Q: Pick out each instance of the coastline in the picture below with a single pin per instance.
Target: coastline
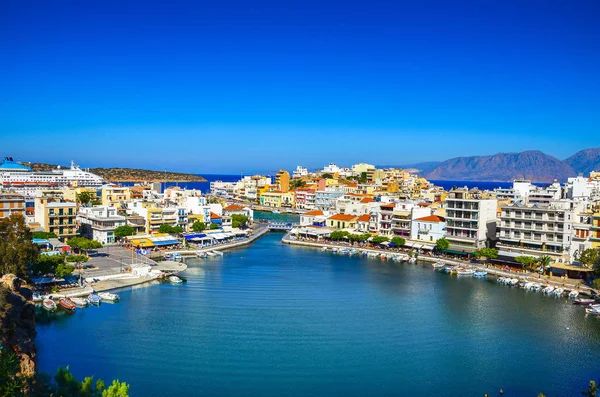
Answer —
(546, 280)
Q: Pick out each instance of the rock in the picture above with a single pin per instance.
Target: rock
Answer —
(12, 282)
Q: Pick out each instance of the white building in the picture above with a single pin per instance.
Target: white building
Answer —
(299, 172)
(325, 199)
(470, 220)
(428, 228)
(331, 169)
(99, 223)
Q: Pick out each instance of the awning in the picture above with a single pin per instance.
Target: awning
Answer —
(165, 242)
(459, 252)
(557, 265)
(143, 242)
(509, 254)
(40, 241)
(194, 235)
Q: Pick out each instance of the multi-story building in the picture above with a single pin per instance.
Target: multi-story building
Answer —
(470, 220)
(403, 214)
(11, 204)
(342, 221)
(300, 171)
(305, 198)
(277, 199)
(56, 216)
(325, 199)
(99, 223)
(115, 196)
(428, 228)
(536, 229)
(282, 180)
(595, 229)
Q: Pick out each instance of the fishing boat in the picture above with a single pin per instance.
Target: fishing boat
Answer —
(107, 296)
(67, 304)
(353, 252)
(438, 265)
(37, 297)
(383, 257)
(548, 289)
(513, 282)
(480, 274)
(276, 212)
(593, 309)
(168, 257)
(558, 292)
(324, 249)
(49, 304)
(465, 272)
(583, 301)
(412, 260)
(175, 280)
(201, 255)
(573, 294)
(80, 302)
(94, 299)
(334, 250)
(448, 269)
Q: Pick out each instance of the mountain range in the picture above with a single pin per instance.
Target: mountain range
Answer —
(532, 164)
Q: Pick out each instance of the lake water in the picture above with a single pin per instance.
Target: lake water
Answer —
(278, 320)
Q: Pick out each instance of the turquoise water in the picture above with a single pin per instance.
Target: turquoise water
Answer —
(275, 320)
(269, 216)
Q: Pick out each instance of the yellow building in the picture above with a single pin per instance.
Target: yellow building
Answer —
(70, 193)
(271, 199)
(56, 216)
(159, 216)
(596, 230)
(115, 196)
(342, 221)
(11, 204)
(282, 180)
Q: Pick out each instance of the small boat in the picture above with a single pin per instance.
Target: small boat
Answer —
(354, 252)
(334, 250)
(480, 274)
(548, 289)
(276, 212)
(107, 296)
(80, 302)
(383, 257)
(448, 269)
(66, 304)
(94, 299)
(168, 257)
(438, 265)
(37, 297)
(593, 309)
(175, 280)
(573, 294)
(558, 292)
(583, 301)
(412, 260)
(324, 249)
(465, 272)
(49, 305)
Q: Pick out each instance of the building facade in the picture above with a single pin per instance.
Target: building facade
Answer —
(99, 223)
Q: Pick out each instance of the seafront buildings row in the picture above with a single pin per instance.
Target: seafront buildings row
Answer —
(559, 220)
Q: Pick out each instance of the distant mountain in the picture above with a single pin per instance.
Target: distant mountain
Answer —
(533, 165)
(585, 160)
(422, 167)
(128, 174)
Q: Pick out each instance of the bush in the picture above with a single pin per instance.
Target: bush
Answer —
(398, 241)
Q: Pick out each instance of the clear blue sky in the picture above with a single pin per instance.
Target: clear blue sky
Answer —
(225, 86)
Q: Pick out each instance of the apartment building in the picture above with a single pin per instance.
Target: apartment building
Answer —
(99, 223)
(305, 198)
(11, 204)
(428, 228)
(536, 229)
(325, 199)
(282, 180)
(115, 196)
(470, 220)
(56, 216)
(595, 230)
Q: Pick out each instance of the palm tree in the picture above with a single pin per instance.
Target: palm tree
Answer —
(544, 261)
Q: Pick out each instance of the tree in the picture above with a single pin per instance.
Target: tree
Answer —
(592, 390)
(86, 198)
(214, 226)
(544, 261)
(198, 226)
(43, 235)
(124, 231)
(16, 249)
(63, 270)
(327, 176)
(589, 257)
(84, 244)
(166, 228)
(489, 253)
(297, 183)
(66, 385)
(11, 384)
(238, 220)
(442, 244)
(338, 235)
(363, 177)
(379, 239)
(46, 264)
(116, 389)
(596, 284)
(77, 259)
(526, 261)
(398, 241)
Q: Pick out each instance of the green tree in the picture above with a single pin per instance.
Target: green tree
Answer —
(116, 389)
(238, 220)
(198, 226)
(327, 176)
(363, 177)
(84, 244)
(43, 235)
(166, 228)
(489, 253)
(338, 235)
(379, 239)
(526, 261)
(87, 198)
(442, 244)
(214, 226)
(398, 241)
(596, 284)
(589, 257)
(124, 231)
(16, 249)
(297, 183)
(592, 390)
(63, 270)
(66, 384)
(11, 384)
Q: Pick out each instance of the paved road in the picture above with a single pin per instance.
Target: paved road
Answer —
(112, 259)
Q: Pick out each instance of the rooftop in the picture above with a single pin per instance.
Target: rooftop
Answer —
(431, 218)
(342, 217)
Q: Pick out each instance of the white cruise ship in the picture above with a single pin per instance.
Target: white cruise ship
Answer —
(23, 180)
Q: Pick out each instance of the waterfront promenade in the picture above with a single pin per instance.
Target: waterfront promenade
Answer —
(490, 269)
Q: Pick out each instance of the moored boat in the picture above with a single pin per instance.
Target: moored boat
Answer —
(175, 280)
(465, 272)
(573, 294)
(80, 302)
(558, 292)
(438, 265)
(37, 297)
(548, 289)
(66, 304)
(94, 299)
(480, 274)
(49, 305)
(583, 301)
(107, 296)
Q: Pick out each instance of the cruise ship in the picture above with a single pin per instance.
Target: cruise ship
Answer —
(23, 180)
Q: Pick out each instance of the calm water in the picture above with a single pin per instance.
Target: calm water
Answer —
(275, 320)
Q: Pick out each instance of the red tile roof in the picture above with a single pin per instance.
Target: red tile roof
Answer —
(364, 218)
(214, 216)
(342, 217)
(387, 206)
(234, 207)
(314, 213)
(432, 218)
(367, 200)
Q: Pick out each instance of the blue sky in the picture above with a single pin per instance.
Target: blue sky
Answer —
(225, 86)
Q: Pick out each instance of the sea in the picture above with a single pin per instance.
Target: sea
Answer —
(447, 185)
(278, 320)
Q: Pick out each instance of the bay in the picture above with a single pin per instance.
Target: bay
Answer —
(272, 320)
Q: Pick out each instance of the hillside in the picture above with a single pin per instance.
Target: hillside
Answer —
(533, 165)
(585, 160)
(130, 174)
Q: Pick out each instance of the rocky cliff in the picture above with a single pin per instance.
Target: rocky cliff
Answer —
(533, 165)
(585, 160)
(17, 323)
